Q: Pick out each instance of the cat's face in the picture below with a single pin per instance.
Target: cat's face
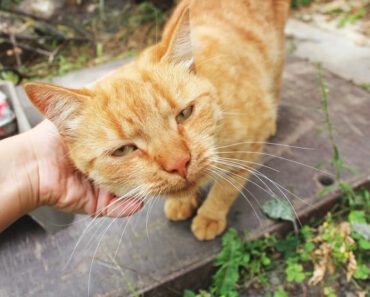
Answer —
(151, 126)
(155, 130)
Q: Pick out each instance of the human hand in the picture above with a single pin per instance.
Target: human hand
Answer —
(35, 171)
(62, 186)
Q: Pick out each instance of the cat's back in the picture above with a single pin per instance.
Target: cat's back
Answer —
(238, 39)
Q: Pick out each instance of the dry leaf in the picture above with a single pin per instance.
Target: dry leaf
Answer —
(352, 266)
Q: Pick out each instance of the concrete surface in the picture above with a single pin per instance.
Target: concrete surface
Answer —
(162, 258)
(337, 52)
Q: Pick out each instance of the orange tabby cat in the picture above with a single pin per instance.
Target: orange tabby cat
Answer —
(161, 122)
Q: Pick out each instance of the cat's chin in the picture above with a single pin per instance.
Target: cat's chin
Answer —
(183, 192)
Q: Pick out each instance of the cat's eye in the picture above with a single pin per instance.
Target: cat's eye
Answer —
(124, 150)
(184, 114)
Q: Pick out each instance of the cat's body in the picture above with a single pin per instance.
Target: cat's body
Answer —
(207, 93)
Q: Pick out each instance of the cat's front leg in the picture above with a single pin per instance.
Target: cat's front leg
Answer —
(210, 220)
(180, 209)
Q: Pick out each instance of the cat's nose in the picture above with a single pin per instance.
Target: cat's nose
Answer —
(178, 165)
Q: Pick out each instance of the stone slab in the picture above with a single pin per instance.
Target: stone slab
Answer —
(336, 51)
(160, 258)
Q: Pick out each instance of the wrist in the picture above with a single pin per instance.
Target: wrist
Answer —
(18, 179)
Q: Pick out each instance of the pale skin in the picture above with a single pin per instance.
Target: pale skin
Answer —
(36, 171)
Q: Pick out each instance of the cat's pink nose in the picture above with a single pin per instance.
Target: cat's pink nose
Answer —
(178, 165)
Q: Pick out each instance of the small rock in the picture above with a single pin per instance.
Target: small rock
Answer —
(41, 8)
(274, 279)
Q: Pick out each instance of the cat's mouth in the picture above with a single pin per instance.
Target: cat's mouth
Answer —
(186, 188)
(189, 187)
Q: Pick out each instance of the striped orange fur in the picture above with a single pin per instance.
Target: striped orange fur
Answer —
(213, 81)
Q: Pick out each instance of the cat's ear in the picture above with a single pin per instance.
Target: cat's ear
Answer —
(178, 41)
(58, 104)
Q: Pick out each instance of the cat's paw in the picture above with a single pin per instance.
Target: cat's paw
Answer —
(180, 209)
(205, 228)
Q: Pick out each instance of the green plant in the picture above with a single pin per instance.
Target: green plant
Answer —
(280, 293)
(147, 12)
(294, 271)
(329, 292)
(351, 17)
(365, 87)
(280, 210)
(298, 3)
(337, 162)
(229, 262)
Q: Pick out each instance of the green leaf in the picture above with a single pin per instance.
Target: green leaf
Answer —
(288, 246)
(362, 272)
(279, 210)
(357, 216)
(280, 293)
(327, 189)
(329, 292)
(188, 293)
(364, 244)
(361, 228)
(294, 272)
(229, 261)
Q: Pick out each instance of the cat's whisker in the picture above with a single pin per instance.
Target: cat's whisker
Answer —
(251, 171)
(278, 157)
(285, 189)
(91, 223)
(99, 243)
(273, 195)
(286, 198)
(257, 173)
(156, 197)
(244, 196)
(265, 143)
(124, 230)
(241, 185)
(250, 162)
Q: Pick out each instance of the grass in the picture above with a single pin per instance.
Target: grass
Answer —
(324, 257)
(118, 33)
(299, 3)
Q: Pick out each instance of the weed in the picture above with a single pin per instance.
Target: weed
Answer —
(337, 161)
(352, 17)
(279, 209)
(229, 262)
(280, 293)
(298, 3)
(365, 87)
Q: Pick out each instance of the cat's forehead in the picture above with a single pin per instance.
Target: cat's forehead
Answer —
(127, 108)
(156, 87)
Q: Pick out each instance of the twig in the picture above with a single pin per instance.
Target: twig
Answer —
(37, 39)
(32, 49)
(13, 42)
(47, 22)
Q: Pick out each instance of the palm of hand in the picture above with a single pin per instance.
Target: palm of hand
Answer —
(64, 187)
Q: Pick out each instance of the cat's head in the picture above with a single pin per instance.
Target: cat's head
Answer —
(150, 123)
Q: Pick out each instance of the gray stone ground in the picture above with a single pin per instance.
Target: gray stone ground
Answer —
(337, 52)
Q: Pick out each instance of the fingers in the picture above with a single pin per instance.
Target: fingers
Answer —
(109, 205)
(124, 208)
